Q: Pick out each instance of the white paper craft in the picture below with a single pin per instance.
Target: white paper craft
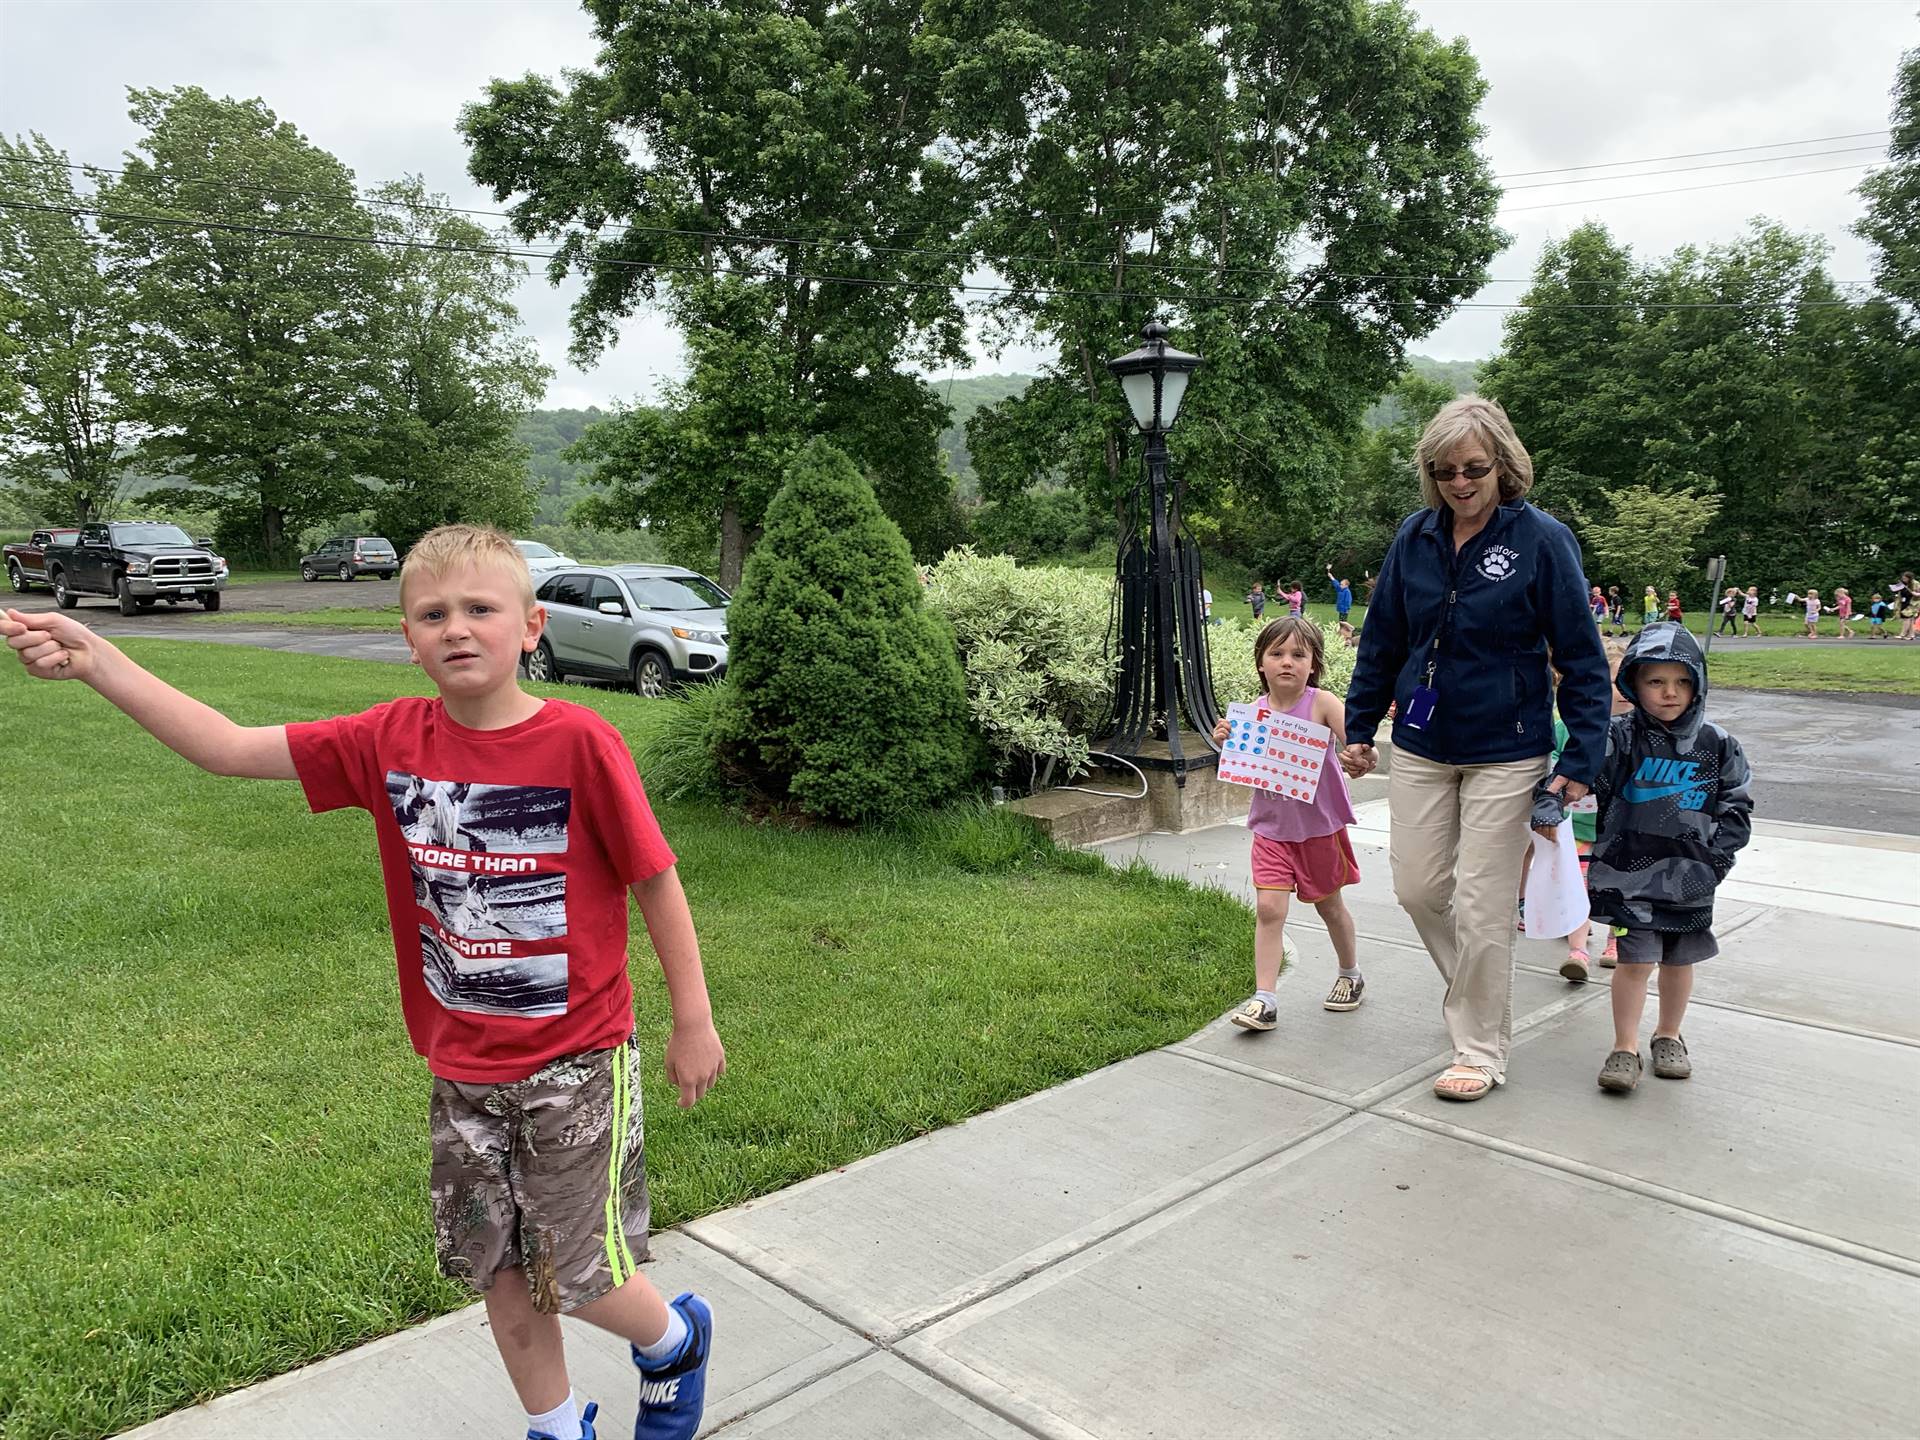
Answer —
(1276, 753)
(1556, 895)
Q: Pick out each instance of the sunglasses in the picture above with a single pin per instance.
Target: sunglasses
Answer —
(1444, 473)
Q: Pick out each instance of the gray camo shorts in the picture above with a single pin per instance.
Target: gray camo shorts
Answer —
(546, 1173)
(1660, 947)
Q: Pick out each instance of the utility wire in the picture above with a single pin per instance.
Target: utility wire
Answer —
(1692, 155)
(1069, 262)
(1689, 169)
(870, 282)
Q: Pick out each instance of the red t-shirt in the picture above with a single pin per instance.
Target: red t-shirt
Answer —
(507, 855)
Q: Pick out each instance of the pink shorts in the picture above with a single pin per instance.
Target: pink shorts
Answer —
(1312, 869)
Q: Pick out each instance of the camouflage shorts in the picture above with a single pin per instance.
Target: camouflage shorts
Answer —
(546, 1173)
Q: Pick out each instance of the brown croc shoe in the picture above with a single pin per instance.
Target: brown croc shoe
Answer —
(1621, 1072)
(1670, 1060)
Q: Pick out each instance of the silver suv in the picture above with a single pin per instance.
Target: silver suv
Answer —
(651, 625)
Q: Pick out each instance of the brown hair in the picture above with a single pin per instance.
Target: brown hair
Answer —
(446, 546)
(1291, 627)
(1472, 417)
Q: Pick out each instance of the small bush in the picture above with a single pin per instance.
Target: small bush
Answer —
(1032, 643)
(675, 757)
(845, 696)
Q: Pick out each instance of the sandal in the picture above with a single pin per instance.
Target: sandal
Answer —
(1479, 1080)
(1621, 1072)
(1670, 1060)
(1574, 968)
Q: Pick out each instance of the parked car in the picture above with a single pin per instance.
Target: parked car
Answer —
(347, 557)
(653, 626)
(137, 562)
(27, 559)
(543, 559)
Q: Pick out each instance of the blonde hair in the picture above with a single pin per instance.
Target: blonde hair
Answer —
(1473, 418)
(447, 547)
(1292, 627)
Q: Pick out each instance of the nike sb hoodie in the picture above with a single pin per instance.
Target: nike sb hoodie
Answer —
(1674, 802)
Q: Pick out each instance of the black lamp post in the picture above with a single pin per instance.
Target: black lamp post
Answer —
(1164, 672)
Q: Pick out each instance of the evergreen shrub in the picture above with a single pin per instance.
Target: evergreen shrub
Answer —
(845, 697)
(1032, 642)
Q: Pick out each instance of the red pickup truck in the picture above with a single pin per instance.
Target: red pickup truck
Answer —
(27, 562)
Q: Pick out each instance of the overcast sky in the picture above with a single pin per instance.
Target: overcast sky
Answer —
(1574, 82)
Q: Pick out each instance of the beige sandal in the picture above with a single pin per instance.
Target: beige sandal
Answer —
(1480, 1076)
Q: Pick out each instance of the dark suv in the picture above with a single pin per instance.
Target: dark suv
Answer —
(351, 556)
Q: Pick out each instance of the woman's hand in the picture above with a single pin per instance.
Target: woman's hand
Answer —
(1358, 760)
(1567, 790)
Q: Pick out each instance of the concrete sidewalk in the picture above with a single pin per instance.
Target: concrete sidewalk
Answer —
(1288, 1234)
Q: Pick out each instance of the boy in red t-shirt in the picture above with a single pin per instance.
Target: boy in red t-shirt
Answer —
(511, 830)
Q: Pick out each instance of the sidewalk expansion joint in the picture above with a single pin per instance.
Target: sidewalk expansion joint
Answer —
(1617, 1180)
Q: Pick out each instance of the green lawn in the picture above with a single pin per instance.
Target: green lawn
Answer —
(212, 1130)
(333, 617)
(1886, 666)
(260, 577)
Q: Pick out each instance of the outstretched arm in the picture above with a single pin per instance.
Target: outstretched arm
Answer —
(57, 647)
(695, 1057)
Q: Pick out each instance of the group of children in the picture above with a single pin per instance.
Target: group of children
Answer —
(1906, 609)
(1670, 809)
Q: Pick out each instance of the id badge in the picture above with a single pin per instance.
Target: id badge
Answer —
(1420, 707)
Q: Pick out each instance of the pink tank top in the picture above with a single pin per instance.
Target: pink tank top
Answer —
(1280, 817)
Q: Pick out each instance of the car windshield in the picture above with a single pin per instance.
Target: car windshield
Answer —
(677, 592)
(534, 550)
(150, 535)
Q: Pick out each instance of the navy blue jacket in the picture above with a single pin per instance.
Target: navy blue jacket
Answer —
(1516, 590)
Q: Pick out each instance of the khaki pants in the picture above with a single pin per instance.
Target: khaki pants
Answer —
(1459, 832)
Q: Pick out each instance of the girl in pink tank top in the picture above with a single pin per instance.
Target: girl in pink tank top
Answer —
(1300, 847)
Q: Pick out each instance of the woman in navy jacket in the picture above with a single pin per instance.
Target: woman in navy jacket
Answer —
(1474, 593)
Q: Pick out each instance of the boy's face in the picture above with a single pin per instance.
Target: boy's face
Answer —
(469, 627)
(1665, 689)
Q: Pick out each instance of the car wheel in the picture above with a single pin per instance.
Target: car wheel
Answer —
(62, 596)
(387, 574)
(346, 572)
(651, 677)
(128, 605)
(210, 600)
(541, 666)
(306, 573)
(14, 578)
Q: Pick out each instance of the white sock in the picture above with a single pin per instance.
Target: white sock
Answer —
(668, 1345)
(1267, 998)
(562, 1422)
(1349, 972)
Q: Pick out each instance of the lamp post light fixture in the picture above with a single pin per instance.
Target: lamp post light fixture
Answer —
(1164, 673)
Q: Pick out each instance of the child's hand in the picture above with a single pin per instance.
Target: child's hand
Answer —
(695, 1059)
(1358, 760)
(52, 646)
(1220, 731)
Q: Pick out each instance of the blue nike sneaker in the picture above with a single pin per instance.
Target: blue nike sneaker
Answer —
(586, 1425)
(674, 1396)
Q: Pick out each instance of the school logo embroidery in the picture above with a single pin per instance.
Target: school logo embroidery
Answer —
(1660, 779)
(1497, 562)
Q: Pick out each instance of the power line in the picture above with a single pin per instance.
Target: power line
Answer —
(1689, 169)
(1691, 155)
(1151, 298)
(1680, 189)
(1003, 262)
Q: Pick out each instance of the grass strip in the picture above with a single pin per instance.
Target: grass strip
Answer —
(333, 617)
(1880, 666)
(213, 1143)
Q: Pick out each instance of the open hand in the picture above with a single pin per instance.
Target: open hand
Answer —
(1358, 760)
(52, 646)
(695, 1059)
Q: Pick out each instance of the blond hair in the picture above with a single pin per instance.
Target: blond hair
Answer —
(447, 547)
(1473, 418)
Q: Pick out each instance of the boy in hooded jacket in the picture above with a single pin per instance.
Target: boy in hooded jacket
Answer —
(1674, 807)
